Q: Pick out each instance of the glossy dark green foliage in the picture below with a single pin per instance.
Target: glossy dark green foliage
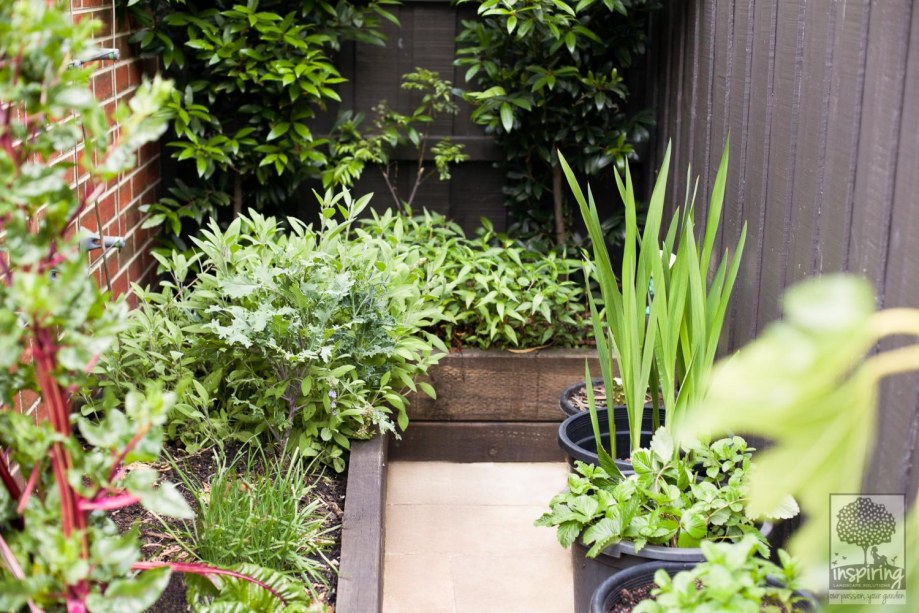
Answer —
(250, 76)
(549, 76)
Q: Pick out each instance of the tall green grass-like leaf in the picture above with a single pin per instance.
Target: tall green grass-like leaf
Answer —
(705, 303)
(626, 332)
(662, 317)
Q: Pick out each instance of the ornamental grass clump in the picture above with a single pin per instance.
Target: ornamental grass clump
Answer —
(259, 511)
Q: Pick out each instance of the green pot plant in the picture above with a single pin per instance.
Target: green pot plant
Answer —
(734, 578)
(59, 549)
(678, 497)
(661, 319)
(810, 383)
(660, 327)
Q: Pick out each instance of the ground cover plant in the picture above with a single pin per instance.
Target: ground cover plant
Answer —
(296, 337)
(58, 545)
(548, 77)
(499, 293)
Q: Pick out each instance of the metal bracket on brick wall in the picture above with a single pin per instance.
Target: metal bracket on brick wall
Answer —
(94, 241)
(97, 54)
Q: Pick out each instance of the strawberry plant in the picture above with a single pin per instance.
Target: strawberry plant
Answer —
(672, 499)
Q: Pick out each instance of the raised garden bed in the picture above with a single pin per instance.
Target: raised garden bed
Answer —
(492, 406)
(496, 385)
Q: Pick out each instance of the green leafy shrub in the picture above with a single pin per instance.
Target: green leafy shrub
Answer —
(549, 78)
(672, 499)
(733, 579)
(306, 336)
(499, 293)
(250, 76)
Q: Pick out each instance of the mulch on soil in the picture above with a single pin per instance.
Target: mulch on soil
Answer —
(579, 398)
(157, 545)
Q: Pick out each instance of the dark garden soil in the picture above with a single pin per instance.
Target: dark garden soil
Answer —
(157, 545)
(579, 398)
(629, 598)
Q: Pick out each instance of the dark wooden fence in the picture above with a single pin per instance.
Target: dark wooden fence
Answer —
(426, 39)
(821, 99)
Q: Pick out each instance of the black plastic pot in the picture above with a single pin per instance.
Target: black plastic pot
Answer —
(564, 401)
(608, 594)
(576, 436)
(590, 573)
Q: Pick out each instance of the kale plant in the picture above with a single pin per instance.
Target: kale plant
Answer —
(306, 337)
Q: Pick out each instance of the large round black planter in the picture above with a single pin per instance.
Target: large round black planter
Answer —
(589, 573)
(576, 436)
(608, 594)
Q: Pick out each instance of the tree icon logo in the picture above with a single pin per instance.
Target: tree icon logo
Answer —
(864, 524)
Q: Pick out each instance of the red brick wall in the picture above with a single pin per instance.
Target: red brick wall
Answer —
(118, 208)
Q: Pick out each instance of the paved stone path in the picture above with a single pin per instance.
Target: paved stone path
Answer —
(460, 539)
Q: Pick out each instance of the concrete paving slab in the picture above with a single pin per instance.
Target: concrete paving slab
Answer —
(487, 483)
(460, 538)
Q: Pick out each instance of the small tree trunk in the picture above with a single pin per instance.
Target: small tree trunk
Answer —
(557, 205)
(237, 195)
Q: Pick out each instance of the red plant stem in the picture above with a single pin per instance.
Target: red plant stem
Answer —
(204, 570)
(44, 354)
(30, 487)
(124, 452)
(109, 503)
(6, 554)
(73, 518)
(7, 477)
